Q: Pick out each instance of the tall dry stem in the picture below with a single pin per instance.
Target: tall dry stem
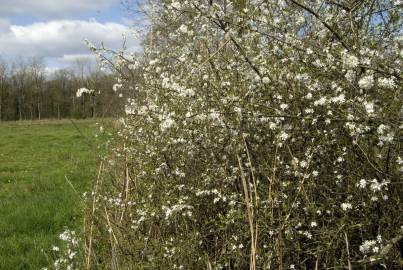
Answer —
(249, 209)
(90, 236)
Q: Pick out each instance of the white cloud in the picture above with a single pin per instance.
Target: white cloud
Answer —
(51, 8)
(61, 39)
(49, 71)
(71, 60)
(4, 25)
(73, 57)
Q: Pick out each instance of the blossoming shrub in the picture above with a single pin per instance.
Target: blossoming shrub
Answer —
(261, 134)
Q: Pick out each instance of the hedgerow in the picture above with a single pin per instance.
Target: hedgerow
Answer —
(260, 134)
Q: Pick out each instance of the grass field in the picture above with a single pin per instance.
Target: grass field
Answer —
(36, 201)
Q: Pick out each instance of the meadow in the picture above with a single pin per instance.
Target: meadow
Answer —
(45, 166)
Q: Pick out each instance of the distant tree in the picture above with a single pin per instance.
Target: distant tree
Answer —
(27, 92)
(20, 83)
(4, 87)
(37, 76)
(60, 87)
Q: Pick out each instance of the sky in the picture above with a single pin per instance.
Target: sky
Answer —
(55, 30)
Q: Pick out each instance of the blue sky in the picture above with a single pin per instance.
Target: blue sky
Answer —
(114, 12)
(55, 29)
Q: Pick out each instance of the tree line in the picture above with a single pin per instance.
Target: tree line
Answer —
(29, 92)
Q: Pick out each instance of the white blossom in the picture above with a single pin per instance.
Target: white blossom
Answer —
(350, 75)
(350, 61)
(84, 90)
(346, 206)
(362, 183)
(117, 86)
(176, 5)
(369, 107)
(366, 82)
(183, 29)
(167, 124)
(387, 83)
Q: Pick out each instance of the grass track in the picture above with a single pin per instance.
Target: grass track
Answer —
(36, 201)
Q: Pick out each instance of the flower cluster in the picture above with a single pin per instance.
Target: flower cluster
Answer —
(65, 256)
(84, 90)
(371, 246)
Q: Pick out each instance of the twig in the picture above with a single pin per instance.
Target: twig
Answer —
(88, 263)
(348, 251)
(316, 15)
(250, 216)
(72, 186)
(112, 239)
(256, 197)
(126, 186)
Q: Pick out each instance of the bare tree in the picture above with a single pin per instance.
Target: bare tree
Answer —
(37, 75)
(3, 85)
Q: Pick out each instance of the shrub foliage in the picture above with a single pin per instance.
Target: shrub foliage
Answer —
(261, 134)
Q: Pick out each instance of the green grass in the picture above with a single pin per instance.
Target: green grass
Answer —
(36, 201)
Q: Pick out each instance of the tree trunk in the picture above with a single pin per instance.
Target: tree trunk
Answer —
(1, 107)
(20, 109)
(82, 107)
(93, 107)
(39, 111)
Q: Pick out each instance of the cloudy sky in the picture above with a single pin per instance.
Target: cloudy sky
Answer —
(55, 29)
